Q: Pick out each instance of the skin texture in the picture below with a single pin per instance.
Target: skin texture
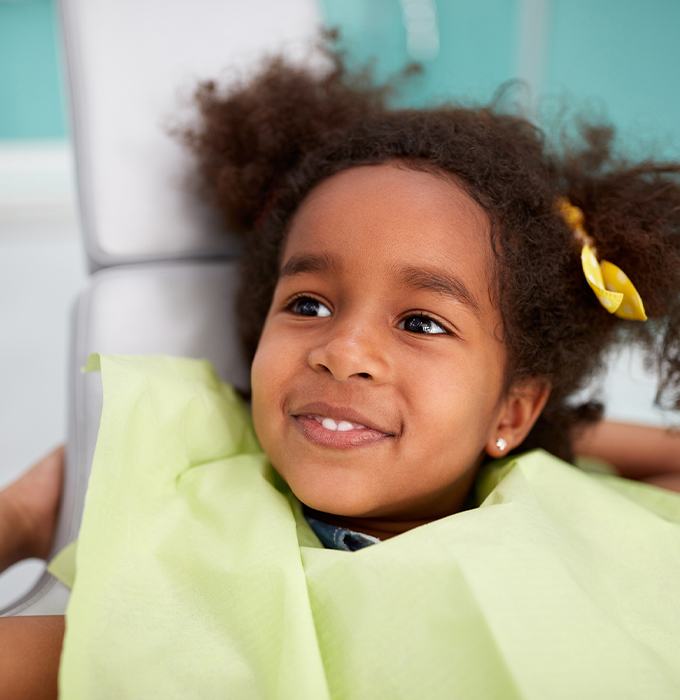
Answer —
(29, 508)
(30, 645)
(641, 452)
(29, 662)
(439, 395)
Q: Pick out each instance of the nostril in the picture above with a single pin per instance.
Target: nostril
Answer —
(342, 366)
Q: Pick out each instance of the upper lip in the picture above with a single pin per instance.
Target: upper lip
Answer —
(338, 413)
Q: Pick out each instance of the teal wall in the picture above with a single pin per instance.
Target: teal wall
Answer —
(31, 104)
(616, 58)
(477, 48)
(623, 57)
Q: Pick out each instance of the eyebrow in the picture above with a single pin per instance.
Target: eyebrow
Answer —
(299, 264)
(439, 281)
(427, 278)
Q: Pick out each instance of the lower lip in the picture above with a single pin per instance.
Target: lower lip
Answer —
(316, 433)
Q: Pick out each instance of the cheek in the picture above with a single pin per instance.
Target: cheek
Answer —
(264, 371)
(268, 362)
(272, 367)
(455, 397)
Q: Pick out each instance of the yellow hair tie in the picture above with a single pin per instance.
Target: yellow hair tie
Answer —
(611, 285)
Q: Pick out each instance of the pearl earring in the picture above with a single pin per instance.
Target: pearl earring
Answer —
(501, 444)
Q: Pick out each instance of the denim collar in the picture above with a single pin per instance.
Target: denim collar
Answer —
(334, 537)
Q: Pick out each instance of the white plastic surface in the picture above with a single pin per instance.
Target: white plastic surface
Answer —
(133, 66)
(179, 308)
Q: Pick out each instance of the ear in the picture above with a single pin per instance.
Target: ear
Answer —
(517, 414)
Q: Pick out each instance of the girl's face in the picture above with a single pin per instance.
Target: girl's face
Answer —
(377, 382)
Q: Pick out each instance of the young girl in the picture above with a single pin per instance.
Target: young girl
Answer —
(420, 295)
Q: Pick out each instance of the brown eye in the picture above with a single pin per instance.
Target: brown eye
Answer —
(307, 306)
(423, 325)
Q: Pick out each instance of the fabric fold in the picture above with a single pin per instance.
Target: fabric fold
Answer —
(198, 576)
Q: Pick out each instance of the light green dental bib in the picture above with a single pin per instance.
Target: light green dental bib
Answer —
(198, 577)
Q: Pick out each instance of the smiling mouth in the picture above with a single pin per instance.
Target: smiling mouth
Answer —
(343, 426)
(342, 434)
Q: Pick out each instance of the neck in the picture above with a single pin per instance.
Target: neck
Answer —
(381, 528)
(384, 527)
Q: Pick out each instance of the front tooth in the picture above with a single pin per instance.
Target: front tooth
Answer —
(329, 424)
(344, 425)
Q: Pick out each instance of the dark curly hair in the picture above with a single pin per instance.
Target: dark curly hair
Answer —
(264, 144)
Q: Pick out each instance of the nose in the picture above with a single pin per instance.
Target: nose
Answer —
(350, 350)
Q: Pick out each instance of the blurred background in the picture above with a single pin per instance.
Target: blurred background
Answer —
(615, 59)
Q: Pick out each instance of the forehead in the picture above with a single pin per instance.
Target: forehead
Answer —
(381, 217)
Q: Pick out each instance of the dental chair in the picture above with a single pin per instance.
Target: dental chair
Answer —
(162, 269)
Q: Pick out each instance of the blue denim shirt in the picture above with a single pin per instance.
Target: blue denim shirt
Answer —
(334, 537)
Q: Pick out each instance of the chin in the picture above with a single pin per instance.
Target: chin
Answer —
(328, 498)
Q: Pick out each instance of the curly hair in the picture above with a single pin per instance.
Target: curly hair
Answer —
(264, 144)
